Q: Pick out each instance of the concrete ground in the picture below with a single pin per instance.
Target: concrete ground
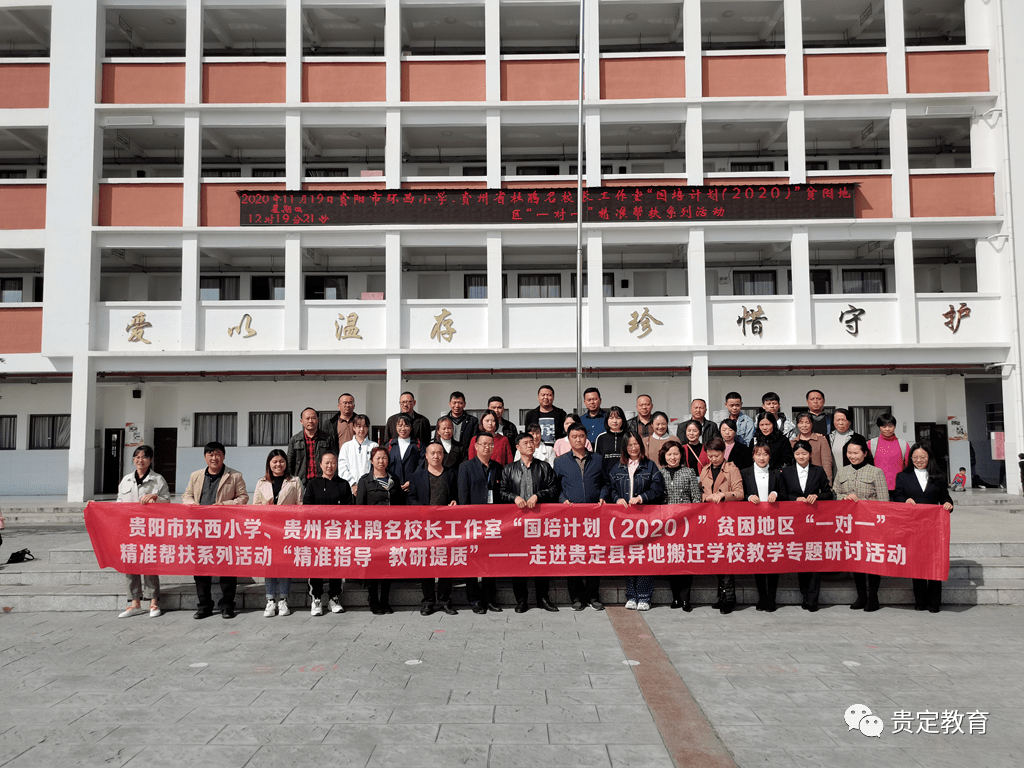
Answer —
(536, 689)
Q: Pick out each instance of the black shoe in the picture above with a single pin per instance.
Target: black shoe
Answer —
(812, 608)
(522, 607)
(933, 610)
(376, 610)
(597, 605)
(202, 613)
(447, 608)
(717, 605)
(228, 612)
(676, 604)
(577, 605)
(494, 607)
(859, 603)
(771, 607)
(427, 609)
(686, 605)
(762, 604)
(872, 603)
(479, 608)
(547, 605)
(386, 607)
(920, 607)
(726, 608)
(804, 606)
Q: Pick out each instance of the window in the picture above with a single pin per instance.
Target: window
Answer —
(266, 288)
(219, 427)
(751, 167)
(11, 290)
(267, 173)
(821, 281)
(331, 288)
(316, 173)
(814, 165)
(218, 288)
(537, 170)
(864, 419)
(607, 285)
(49, 431)
(753, 283)
(993, 417)
(863, 281)
(325, 420)
(860, 165)
(269, 427)
(540, 286)
(8, 433)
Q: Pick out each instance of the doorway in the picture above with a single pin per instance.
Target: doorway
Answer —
(113, 460)
(936, 437)
(165, 450)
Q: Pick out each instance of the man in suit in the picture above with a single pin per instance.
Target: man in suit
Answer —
(805, 482)
(479, 482)
(527, 483)
(215, 485)
(581, 479)
(435, 486)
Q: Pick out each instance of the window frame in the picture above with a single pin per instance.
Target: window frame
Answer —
(13, 419)
(522, 275)
(274, 443)
(218, 435)
(52, 431)
(774, 280)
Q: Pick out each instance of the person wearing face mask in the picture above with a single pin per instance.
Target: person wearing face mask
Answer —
(889, 453)
(860, 480)
(379, 487)
(805, 482)
(354, 456)
(842, 431)
(681, 487)
(143, 486)
(735, 451)
(922, 482)
(454, 453)
(720, 482)
(660, 437)
(634, 482)
(768, 434)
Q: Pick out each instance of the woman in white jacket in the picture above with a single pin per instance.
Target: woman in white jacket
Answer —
(143, 486)
(277, 486)
(354, 456)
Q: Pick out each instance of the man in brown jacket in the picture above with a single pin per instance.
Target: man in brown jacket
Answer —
(217, 484)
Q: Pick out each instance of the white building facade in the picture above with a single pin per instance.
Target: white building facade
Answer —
(136, 308)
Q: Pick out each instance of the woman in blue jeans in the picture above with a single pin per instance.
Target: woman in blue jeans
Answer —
(635, 481)
(277, 486)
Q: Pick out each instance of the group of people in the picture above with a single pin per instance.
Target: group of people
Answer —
(596, 457)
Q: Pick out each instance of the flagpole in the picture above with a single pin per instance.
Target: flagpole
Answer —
(579, 225)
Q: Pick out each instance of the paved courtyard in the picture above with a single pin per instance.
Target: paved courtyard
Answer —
(502, 690)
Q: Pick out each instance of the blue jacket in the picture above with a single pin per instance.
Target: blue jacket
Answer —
(475, 481)
(586, 487)
(648, 483)
(419, 486)
(595, 425)
(403, 469)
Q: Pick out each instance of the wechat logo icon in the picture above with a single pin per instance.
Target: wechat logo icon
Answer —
(859, 717)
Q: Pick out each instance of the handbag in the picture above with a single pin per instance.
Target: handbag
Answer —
(21, 556)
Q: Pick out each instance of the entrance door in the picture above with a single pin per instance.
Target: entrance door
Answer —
(113, 459)
(165, 446)
(936, 437)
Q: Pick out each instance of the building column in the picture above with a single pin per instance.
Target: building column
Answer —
(1012, 423)
(393, 149)
(393, 51)
(293, 53)
(492, 51)
(393, 293)
(393, 384)
(192, 171)
(694, 150)
(899, 161)
(697, 289)
(694, 67)
(293, 316)
(896, 48)
(592, 147)
(82, 453)
(495, 300)
(293, 149)
(193, 51)
(699, 380)
(906, 291)
(794, 31)
(796, 141)
(593, 307)
(800, 264)
(493, 149)
(592, 54)
(189, 341)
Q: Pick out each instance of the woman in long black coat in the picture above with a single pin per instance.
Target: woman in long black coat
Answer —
(922, 482)
(379, 487)
(767, 433)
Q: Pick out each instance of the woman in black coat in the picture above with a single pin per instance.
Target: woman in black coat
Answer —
(922, 482)
(816, 486)
(761, 483)
(609, 443)
(767, 433)
(379, 487)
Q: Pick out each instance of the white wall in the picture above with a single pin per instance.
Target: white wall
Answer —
(41, 472)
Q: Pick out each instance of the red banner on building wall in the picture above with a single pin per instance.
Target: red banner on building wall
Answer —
(502, 540)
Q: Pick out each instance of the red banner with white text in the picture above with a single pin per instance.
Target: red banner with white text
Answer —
(360, 542)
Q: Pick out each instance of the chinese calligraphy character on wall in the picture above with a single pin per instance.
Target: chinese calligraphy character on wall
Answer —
(243, 325)
(643, 322)
(953, 316)
(754, 318)
(137, 327)
(350, 330)
(851, 319)
(443, 328)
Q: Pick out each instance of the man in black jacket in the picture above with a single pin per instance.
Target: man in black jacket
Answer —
(420, 424)
(479, 482)
(435, 486)
(708, 429)
(527, 483)
(306, 448)
(505, 427)
(643, 422)
(464, 424)
(326, 490)
(550, 417)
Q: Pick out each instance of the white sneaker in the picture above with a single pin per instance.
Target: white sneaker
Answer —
(282, 608)
(317, 608)
(154, 612)
(335, 606)
(642, 606)
(270, 610)
(131, 612)
(631, 605)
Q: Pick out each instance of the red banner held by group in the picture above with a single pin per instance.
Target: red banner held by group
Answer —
(359, 542)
